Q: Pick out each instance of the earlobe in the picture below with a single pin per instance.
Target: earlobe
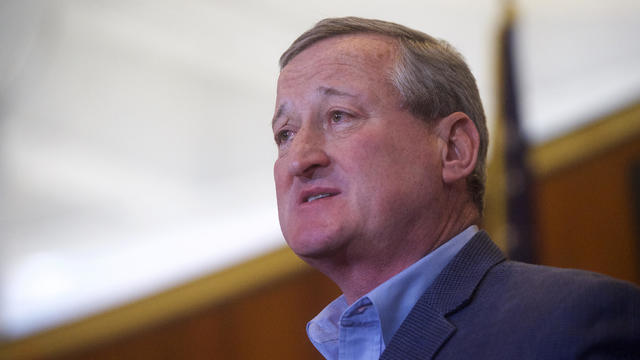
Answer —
(462, 140)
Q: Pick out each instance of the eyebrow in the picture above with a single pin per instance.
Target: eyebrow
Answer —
(324, 90)
(281, 110)
(329, 91)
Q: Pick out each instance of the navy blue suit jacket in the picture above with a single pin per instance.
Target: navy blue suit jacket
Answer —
(483, 306)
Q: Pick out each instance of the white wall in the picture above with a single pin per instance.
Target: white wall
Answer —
(135, 141)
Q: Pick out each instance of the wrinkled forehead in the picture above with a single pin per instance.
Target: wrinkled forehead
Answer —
(367, 52)
(366, 48)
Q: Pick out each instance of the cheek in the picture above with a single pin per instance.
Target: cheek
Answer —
(279, 172)
(280, 179)
(374, 167)
(387, 169)
(281, 190)
(382, 157)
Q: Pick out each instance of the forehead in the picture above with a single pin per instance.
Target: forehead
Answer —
(367, 56)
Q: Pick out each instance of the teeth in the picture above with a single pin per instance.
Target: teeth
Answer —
(316, 197)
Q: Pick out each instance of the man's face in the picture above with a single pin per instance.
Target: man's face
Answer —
(356, 173)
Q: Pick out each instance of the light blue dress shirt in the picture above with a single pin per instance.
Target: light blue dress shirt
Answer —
(362, 330)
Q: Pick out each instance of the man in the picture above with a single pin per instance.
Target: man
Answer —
(380, 173)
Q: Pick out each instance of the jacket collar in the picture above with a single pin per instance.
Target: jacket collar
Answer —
(426, 328)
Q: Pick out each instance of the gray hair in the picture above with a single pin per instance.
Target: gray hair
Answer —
(430, 75)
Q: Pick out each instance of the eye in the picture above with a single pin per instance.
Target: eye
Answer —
(338, 116)
(283, 136)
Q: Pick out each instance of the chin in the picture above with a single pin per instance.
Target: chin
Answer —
(313, 245)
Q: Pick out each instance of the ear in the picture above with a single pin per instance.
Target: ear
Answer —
(462, 140)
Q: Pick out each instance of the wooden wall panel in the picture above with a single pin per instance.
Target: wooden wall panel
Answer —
(585, 214)
(268, 323)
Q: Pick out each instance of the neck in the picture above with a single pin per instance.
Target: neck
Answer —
(357, 276)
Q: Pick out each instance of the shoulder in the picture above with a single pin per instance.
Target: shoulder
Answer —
(550, 284)
(513, 273)
(560, 310)
(559, 293)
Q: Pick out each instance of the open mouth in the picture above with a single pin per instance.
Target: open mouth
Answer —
(316, 197)
(316, 194)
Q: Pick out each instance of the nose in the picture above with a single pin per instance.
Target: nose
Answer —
(308, 154)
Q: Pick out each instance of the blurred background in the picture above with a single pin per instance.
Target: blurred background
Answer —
(137, 206)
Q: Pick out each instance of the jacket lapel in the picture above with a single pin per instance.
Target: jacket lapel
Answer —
(426, 328)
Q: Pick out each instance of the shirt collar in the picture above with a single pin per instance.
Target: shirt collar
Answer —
(324, 327)
(395, 298)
